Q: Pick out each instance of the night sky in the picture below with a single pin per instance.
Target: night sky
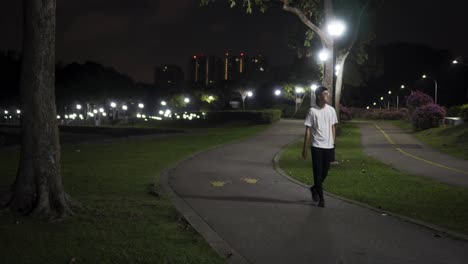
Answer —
(134, 36)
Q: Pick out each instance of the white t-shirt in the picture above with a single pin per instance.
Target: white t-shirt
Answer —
(320, 121)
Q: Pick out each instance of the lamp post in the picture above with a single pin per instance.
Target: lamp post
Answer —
(402, 87)
(388, 101)
(335, 29)
(113, 105)
(435, 87)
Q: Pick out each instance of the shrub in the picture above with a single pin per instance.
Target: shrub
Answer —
(418, 99)
(393, 115)
(251, 116)
(454, 110)
(463, 112)
(428, 116)
(345, 113)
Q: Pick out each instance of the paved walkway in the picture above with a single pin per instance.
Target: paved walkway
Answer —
(255, 215)
(392, 146)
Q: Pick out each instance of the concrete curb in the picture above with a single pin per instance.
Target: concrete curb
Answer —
(439, 230)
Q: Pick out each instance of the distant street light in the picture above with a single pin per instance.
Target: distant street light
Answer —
(140, 105)
(78, 106)
(113, 105)
(455, 62)
(435, 87)
(186, 100)
(18, 111)
(163, 103)
(277, 92)
(124, 107)
(249, 93)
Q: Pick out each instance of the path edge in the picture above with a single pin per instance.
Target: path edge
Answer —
(439, 230)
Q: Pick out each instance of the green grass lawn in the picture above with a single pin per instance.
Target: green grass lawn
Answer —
(120, 222)
(452, 140)
(364, 179)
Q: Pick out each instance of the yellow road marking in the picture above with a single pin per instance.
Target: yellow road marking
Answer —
(416, 157)
(218, 183)
(250, 180)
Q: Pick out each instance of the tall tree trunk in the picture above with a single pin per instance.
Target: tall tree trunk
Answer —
(38, 188)
(339, 81)
(328, 70)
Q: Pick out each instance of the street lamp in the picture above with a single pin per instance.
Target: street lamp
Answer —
(78, 107)
(113, 105)
(187, 100)
(323, 55)
(277, 92)
(388, 101)
(435, 87)
(335, 29)
(163, 103)
(141, 106)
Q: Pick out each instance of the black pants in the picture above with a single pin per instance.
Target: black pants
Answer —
(321, 159)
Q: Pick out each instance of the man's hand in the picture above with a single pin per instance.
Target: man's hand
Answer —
(304, 154)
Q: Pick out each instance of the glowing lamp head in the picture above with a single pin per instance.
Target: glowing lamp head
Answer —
(336, 28)
(323, 55)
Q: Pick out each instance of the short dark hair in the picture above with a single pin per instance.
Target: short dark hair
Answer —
(320, 90)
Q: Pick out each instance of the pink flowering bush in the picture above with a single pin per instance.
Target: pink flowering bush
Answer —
(418, 99)
(345, 113)
(428, 116)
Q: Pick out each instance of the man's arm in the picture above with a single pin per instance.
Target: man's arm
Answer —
(306, 142)
(334, 134)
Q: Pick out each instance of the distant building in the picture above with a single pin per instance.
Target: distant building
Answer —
(202, 69)
(208, 70)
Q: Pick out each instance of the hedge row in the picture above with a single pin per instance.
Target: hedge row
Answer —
(268, 116)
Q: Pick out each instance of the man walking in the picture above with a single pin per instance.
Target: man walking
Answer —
(320, 132)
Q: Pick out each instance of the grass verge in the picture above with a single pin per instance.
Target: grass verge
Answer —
(364, 179)
(120, 222)
(452, 140)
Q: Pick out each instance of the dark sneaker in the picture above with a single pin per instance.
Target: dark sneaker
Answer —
(321, 203)
(314, 194)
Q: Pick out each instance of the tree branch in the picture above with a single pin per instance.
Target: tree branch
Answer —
(325, 39)
(358, 25)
